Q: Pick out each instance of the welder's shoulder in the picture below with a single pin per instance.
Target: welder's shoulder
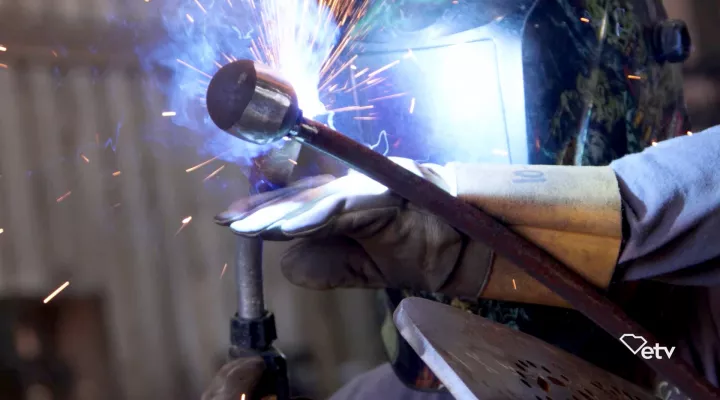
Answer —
(382, 383)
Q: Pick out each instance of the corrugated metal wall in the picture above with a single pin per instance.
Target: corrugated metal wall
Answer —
(85, 197)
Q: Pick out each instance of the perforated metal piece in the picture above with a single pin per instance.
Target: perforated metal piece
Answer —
(479, 359)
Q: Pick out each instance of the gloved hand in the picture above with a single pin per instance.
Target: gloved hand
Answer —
(358, 234)
(236, 378)
(355, 233)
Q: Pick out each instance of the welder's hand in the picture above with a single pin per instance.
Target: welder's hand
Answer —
(236, 378)
(358, 234)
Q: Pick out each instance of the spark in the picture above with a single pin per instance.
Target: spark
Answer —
(63, 197)
(116, 205)
(189, 18)
(293, 162)
(56, 292)
(384, 68)
(169, 113)
(201, 6)
(351, 108)
(689, 133)
(202, 164)
(3, 66)
(585, 20)
(223, 270)
(212, 174)
(147, 1)
(412, 105)
(634, 77)
(409, 54)
(53, 52)
(361, 73)
(654, 143)
(353, 67)
(116, 173)
(514, 284)
(1, 231)
(3, 48)
(365, 118)
(242, 396)
(87, 160)
(192, 68)
(185, 222)
(391, 96)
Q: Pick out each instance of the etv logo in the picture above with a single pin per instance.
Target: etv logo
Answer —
(637, 344)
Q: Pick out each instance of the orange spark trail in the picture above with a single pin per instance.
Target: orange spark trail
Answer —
(384, 68)
(392, 96)
(61, 198)
(192, 68)
(56, 292)
(217, 171)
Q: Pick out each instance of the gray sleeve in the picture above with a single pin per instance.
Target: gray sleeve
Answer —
(671, 201)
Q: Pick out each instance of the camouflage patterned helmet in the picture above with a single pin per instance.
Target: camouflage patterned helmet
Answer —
(572, 82)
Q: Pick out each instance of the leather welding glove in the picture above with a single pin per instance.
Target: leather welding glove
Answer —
(356, 233)
(236, 378)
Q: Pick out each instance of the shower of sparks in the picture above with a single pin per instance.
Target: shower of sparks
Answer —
(634, 77)
(116, 173)
(87, 160)
(585, 20)
(412, 106)
(223, 270)
(185, 222)
(3, 48)
(212, 174)
(169, 113)
(63, 197)
(514, 284)
(392, 96)
(56, 292)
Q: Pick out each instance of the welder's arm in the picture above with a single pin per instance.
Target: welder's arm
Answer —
(671, 198)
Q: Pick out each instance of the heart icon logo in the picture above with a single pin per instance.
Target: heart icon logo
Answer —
(633, 342)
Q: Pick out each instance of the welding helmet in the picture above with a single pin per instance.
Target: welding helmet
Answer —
(572, 82)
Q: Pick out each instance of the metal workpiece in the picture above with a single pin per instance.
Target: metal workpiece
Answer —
(475, 223)
(480, 359)
(248, 276)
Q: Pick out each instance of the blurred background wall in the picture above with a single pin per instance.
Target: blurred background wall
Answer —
(85, 199)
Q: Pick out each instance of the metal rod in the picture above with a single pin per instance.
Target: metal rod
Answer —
(481, 227)
(248, 275)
